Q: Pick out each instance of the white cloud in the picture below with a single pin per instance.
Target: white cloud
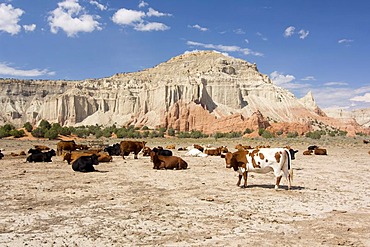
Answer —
(196, 26)
(335, 84)
(156, 13)
(362, 98)
(69, 18)
(225, 48)
(29, 28)
(280, 79)
(239, 31)
(246, 41)
(128, 17)
(98, 5)
(345, 41)
(134, 18)
(308, 78)
(289, 31)
(143, 4)
(6, 70)
(9, 18)
(262, 37)
(303, 34)
(151, 26)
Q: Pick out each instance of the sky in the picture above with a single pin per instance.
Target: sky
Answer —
(322, 46)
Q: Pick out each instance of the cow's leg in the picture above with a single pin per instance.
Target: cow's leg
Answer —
(245, 175)
(135, 155)
(239, 180)
(278, 179)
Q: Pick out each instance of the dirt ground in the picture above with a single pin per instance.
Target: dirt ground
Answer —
(127, 203)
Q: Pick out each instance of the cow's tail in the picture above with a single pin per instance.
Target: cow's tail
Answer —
(290, 168)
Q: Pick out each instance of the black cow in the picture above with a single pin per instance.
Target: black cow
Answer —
(85, 163)
(1, 155)
(41, 157)
(161, 151)
(312, 147)
(113, 150)
(34, 151)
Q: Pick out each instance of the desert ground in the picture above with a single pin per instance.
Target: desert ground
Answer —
(128, 203)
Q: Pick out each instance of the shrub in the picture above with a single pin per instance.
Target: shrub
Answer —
(260, 131)
(17, 133)
(51, 134)
(292, 134)
(267, 134)
(314, 135)
(38, 132)
(171, 132)
(28, 126)
(247, 131)
(44, 124)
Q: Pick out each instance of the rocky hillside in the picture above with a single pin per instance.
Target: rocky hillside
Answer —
(204, 91)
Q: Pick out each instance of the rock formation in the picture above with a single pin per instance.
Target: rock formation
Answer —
(204, 91)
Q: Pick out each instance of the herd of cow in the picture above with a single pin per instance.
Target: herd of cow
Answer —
(246, 159)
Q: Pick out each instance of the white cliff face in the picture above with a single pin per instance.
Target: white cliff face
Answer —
(220, 86)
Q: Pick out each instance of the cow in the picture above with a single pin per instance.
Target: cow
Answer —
(213, 151)
(41, 147)
(146, 151)
(127, 147)
(307, 152)
(66, 146)
(240, 147)
(195, 153)
(41, 157)
(262, 160)
(172, 146)
(167, 162)
(34, 151)
(113, 150)
(160, 151)
(312, 147)
(85, 163)
(320, 151)
(1, 155)
(102, 156)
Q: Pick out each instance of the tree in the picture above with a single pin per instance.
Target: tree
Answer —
(45, 124)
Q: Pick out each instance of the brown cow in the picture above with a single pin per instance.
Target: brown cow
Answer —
(102, 156)
(146, 151)
(41, 147)
(307, 152)
(213, 151)
(167, 162)
(240, 147)
(173, 146)
(131, 146)
(66, 146)
(320, 151)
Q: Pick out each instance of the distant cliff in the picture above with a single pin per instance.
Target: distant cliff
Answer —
(205, 90)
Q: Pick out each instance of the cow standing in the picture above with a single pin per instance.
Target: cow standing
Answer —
(127, 147)
(66, 146)
(262, 160)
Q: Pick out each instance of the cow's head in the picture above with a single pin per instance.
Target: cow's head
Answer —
(228, 159)
(292, 153)
(94, 159)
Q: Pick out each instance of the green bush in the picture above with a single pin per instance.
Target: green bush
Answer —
(267, 134)
(51, 134)
(17, 133)
(292, 134)
(260, 131)
(314, 135)
(247, 131)
(38, 132)
(171, 132)
(28, 126)
(45, 124)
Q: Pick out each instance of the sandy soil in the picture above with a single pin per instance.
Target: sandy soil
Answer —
(127, 203)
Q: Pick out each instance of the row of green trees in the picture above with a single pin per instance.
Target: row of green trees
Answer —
(52, 131)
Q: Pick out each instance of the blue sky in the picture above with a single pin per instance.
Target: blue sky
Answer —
(321, 46)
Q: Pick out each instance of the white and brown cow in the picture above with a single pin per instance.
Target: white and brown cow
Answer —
(263, 160)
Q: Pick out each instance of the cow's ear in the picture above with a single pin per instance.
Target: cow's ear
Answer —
(223, 156)
(295, 151)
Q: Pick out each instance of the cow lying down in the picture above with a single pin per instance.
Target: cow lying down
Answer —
(264, 160)
(167, 162)
(38, 156)
(85, 163)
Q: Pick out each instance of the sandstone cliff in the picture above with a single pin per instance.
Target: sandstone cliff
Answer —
(205, 90)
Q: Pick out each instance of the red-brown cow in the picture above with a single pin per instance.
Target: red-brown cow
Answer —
(131, 146)
(167, 162)
(66, 146)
